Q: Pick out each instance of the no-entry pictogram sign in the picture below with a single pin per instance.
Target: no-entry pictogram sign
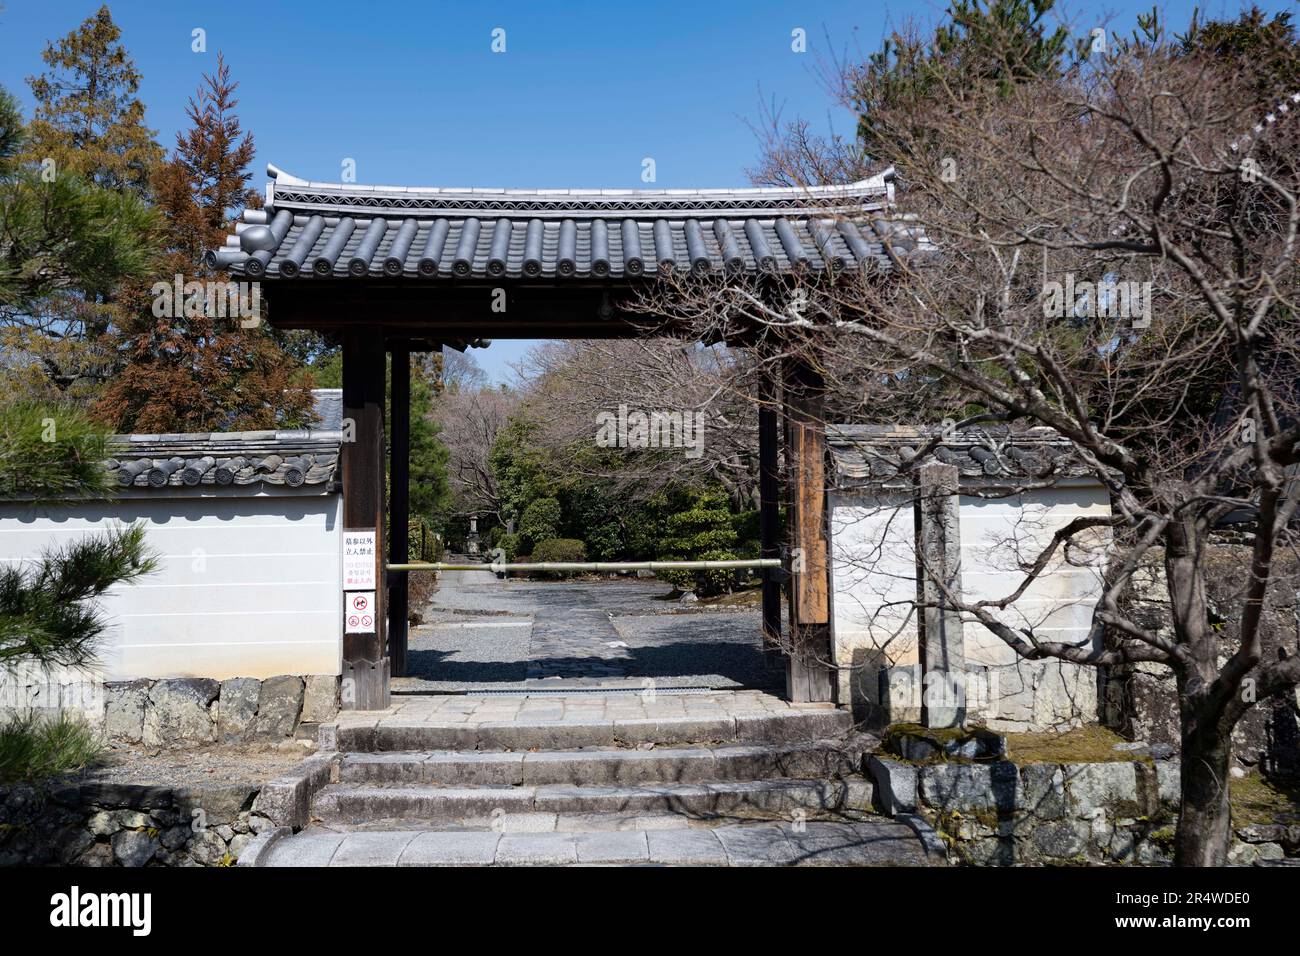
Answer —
(359, 612)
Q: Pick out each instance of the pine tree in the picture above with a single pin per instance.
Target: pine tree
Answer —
(48, 616)
(75, 223)
(702, 532)
(88, 119)
(65, 246)
(187, 370)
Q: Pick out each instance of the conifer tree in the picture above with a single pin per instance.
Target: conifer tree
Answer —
(185, 367)
(88, 118)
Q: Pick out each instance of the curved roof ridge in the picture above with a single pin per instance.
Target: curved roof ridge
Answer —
(877, 185)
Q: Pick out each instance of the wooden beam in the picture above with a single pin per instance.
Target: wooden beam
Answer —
(399, 513)
(808, 668)
(365, 666)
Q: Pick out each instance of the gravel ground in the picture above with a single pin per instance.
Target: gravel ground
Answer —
(485, 633)
(195, 766)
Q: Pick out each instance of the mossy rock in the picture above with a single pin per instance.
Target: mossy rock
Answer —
(1256, 799)
(1090, 744)
(917, 744)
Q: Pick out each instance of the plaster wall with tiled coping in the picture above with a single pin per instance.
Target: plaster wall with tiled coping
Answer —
(874, 584)
(248, 585)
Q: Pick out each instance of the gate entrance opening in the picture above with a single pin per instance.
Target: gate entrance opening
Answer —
(395, 269)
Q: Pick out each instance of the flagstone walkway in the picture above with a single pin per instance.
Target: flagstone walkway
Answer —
(485, 633)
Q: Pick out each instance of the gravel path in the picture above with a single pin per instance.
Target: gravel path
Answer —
(196, 765)
(484, 633)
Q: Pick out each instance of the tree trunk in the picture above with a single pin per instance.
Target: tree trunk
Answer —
(1204, 820)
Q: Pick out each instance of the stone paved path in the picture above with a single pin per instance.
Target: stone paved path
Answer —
(876, 842)
(486, 633)
(525, 710)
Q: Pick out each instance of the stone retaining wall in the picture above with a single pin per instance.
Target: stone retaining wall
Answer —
(999, 813)
(200, 710)
(179, 710)
(116, 824)
(1140, 701)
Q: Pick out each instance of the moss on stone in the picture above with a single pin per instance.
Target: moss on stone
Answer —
(1257, 800)
(1164, 837)
(941, 738)
(1090, 744)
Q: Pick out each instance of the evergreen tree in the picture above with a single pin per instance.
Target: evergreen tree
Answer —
(190, 369)
(47, 612)
(701, 532)
(1002, 42)
(65, 246)
(88, 118)
(83, 172)
(430, 487)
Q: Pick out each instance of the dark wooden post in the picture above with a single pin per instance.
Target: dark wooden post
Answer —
(769, 510)
(365, 667)
(399, 477)
(808, 670)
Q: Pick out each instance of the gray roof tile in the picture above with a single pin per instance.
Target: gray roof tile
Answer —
(984, 457)
(327, 230)
(288, 458)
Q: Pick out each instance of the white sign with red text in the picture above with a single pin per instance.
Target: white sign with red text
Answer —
(359, 612)
(359, 561)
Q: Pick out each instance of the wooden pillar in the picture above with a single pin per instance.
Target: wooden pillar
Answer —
(365, 666)
(399, 477)
(769, 510)
(808, 670)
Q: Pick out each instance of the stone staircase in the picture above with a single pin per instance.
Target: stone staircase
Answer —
(750, 781)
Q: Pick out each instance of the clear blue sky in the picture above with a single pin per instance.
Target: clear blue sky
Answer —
(414, 94)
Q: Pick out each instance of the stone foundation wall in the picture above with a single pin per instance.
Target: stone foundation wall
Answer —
(1140, 701)
(126, 825)
(112, 824)
(188, 710)
(1021, 697)
(1000, 813)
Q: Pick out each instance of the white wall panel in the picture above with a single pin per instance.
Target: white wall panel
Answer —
(249, 585)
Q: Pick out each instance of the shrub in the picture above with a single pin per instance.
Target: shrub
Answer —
(703, 532)
(509, 543)
(540, 520)
(560, 549)
(34, 748)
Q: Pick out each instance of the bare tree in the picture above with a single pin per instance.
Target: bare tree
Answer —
(460, 371)
(469, 420)
(572, 384)
(1110, 251)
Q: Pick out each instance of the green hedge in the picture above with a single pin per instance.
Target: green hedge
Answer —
(560, 549)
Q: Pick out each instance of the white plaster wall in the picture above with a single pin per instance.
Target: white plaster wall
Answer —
(999, 536)
(873, 582)
(248, 585)
(873, 576)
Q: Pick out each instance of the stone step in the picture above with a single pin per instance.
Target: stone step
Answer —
(377, 806)
(868, 842)
(604, 766)
(398, 732)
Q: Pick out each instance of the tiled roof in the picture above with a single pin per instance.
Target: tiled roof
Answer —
(289, 459)
(994, 456)
(328, 405)
(318, 230)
